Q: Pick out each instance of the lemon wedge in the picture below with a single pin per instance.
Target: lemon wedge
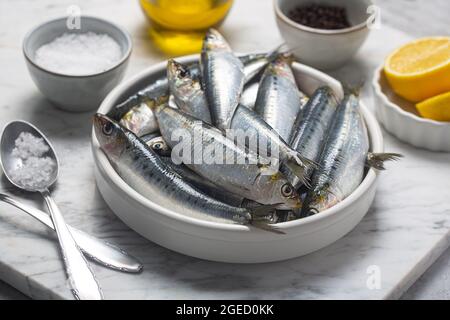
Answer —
(436, 108)
(420, 69)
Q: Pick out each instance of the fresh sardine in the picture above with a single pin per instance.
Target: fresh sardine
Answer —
(343, 159)
(212, 155)
(223, 78)
(279, 99)
(187, 91)
(311, 125)
(143, 170)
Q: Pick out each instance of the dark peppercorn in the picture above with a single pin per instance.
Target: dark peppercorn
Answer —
(320, 16)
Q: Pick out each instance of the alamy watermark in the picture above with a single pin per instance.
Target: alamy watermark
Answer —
(374, 20)
(373, 281)
(246, 147)
(73, 21)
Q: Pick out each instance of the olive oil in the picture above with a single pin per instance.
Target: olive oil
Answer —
(178, 26)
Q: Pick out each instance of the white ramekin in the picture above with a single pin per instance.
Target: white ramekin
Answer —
(76, 93)
(229, 242)
(319, 48)
(400, 118)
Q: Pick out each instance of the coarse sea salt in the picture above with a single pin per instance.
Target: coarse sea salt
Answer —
(34, 169)
(79, 53)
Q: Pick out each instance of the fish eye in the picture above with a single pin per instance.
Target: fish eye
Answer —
(183, 73)
(107, 128)
(287, 190)
(157, 145)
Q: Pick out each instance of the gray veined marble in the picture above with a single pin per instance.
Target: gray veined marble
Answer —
(406, 229)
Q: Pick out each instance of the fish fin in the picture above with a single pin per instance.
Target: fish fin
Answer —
(275, 52)
(266, 226)
(299, 166)
(288, 50)
(376, 160)
(261, 218)
(354, 88)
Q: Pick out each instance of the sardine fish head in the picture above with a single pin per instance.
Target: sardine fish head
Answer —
(320, 200)
(285, 195)
(176, 71)
(110, 135)
(180, 80)
(281, 67)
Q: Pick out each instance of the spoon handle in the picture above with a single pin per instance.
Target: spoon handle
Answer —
(82, 280)
(106, 254)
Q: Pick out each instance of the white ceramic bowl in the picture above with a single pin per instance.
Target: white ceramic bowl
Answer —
(400, 118)
(229, 242)
(82, 92)
(324, 49)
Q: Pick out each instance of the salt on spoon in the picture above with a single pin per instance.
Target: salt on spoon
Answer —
(79, 54)
(34, 168)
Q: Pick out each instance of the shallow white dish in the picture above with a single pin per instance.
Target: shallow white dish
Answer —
(400, 118)
(228, 242)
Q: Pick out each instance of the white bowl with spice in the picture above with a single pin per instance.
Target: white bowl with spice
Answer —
(321, 40)
(76, 68)
(231, 242)
(401, 118)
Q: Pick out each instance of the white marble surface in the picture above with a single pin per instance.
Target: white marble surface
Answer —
(403, 233)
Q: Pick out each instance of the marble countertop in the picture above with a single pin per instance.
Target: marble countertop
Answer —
(405, 231)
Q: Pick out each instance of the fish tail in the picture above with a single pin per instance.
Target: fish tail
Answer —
(288, 50)
(275, 52)
(301, 167)
(376, 160)
(355, 88)
(278, 52)
(263, 217)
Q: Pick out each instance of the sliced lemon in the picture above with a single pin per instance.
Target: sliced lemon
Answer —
(420, 69)
(436, 108)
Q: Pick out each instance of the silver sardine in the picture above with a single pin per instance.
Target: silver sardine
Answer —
(343, 159)
(311, 125)
(222, 78)
(187, 91)
(279, 99)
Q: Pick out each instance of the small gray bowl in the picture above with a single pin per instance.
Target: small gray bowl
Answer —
(319, 48)
(76, 93)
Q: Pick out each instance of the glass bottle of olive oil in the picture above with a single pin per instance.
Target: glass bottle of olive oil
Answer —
(178, 26)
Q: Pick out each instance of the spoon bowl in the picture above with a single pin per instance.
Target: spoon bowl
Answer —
(10, 162)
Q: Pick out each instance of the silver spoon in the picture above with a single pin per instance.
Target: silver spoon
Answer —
(82, 280)
(95, 249)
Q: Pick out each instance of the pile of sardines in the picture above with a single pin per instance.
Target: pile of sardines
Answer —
(321, 143)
